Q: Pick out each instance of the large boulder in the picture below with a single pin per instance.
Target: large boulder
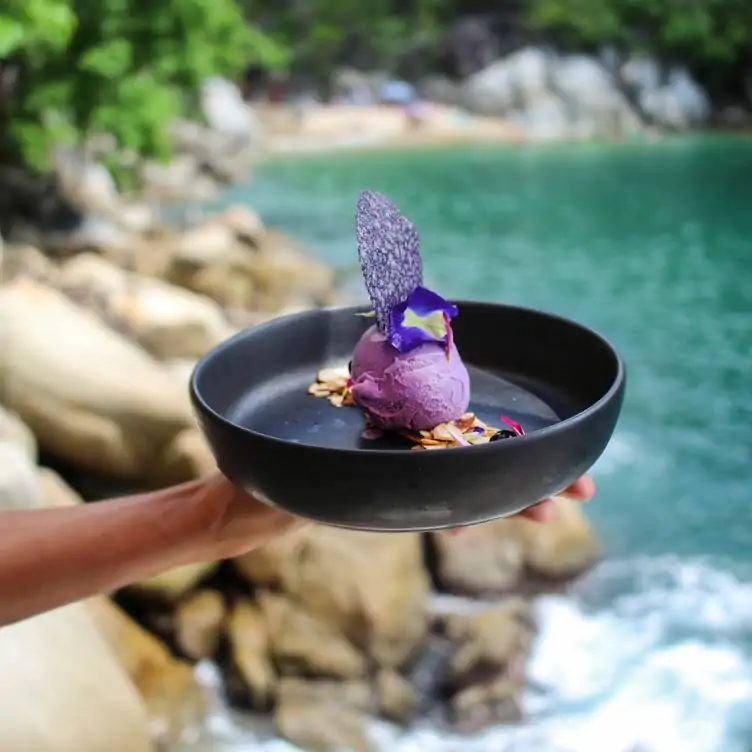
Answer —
(166, 320)
(370, 588)
(89, 395)
(171, 695)
(63, 690)
(244, 266)
(504, 555)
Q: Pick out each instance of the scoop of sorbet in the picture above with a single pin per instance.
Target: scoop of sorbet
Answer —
(414, 390)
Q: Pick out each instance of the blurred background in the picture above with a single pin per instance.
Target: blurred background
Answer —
(173, 172)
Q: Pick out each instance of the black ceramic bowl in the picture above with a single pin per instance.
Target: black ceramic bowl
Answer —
(561, 381)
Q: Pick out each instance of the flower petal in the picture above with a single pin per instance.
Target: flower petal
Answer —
(423, 317)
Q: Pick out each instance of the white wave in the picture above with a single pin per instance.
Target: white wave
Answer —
(652, 655)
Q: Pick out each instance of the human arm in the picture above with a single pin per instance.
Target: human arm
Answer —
(50, 557)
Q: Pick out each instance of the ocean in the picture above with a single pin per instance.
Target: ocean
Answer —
(650, 244)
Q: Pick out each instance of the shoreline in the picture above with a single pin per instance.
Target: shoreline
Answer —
(331, 129)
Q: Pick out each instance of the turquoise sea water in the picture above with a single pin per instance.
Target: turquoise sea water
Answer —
(651, 244)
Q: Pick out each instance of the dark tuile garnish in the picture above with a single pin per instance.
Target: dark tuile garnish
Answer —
(389, 254)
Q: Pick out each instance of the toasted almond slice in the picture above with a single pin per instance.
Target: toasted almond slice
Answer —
(443, 432)
(435, 446)
(333, 374)
(336, 400)
(431, 442)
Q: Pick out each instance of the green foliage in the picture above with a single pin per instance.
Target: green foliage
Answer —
(699, 32)
(125, 67)
(327, 33)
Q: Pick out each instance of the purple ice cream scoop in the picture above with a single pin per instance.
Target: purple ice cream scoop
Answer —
(413, 390)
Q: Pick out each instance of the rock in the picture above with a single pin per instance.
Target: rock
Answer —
(355, 694)
(211, 259)
(599, 108)
(187, 457)
(63, 690)
(483, 559)
(516, 81)
(495, 557)
(371, 588)
(175, 583)
(244, 223)
(25, 260)
(677, 103)
(546, 119)
(282, 273)
(321, 726)
(492, 645)
(167, 321)
(169, 690)
(252, 678)
(15, 431)
(208, 243)
(90, 396)
(565, 547)
(84, 182)
(199, 621)
(55, 491)
(641, 73)
(302, 644)
(19, 484)
(487, 671)
(181, 178)
(398, 697)
(480, 707)
(224, 108)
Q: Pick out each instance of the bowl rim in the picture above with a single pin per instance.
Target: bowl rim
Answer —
(487, 449)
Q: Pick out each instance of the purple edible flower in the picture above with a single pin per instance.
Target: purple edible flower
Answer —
(423, 317)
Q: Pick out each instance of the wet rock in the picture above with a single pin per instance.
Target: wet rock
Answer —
(493, 644)
(487, 671)
(320, 726)
(252, 678)
(302, 644)
(565, 547)
(368, 587)
(398, 697)
(506, 555)
(63, 690)
(354, 694)
(90, 396)
(480, 707)
(199, 621)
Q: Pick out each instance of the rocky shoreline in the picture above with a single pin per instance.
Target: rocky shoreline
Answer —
(320, 631)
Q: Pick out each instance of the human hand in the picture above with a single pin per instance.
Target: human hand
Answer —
(581, 490)
(239, 522)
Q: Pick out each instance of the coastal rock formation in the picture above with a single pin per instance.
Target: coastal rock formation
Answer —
(91, 396)
(507, 555)
(579, 97)
(63, 689)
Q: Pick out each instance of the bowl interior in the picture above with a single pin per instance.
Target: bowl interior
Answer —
(523, 364)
